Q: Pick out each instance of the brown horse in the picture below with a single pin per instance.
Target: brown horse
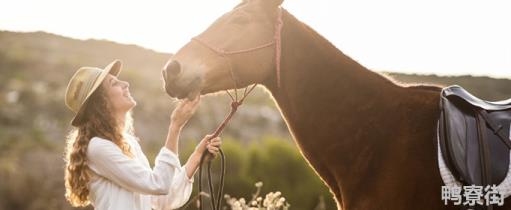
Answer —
(371, 141)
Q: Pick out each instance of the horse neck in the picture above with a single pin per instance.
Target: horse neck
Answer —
(319, 83)
(346, 118)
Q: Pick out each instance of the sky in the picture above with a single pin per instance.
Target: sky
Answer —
(444, 37)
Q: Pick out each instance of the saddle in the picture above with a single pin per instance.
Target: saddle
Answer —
(474, 137)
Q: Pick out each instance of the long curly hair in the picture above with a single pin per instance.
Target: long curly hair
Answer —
(97, 119)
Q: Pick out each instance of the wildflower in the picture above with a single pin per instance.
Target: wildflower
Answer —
(280, 202)
(271, 201)
(259, 184)
(236, 206)
(253, 203)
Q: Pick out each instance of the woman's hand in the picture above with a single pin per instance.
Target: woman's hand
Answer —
(210, 145)
(207, 144)
(183, 112)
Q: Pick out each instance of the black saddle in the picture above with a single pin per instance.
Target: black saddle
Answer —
(474, 137)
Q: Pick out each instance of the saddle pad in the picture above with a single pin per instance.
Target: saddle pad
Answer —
(448, 178)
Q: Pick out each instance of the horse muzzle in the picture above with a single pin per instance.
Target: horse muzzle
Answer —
(176, 84)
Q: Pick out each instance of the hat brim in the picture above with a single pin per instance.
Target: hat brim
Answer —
(114, 68)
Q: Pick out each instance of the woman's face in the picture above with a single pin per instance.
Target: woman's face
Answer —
(118, 94)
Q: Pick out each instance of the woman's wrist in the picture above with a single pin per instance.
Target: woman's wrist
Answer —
(174, 127)
(194, 160)
(193, 163)
(172, 138)
(196, 157)
(200, 148)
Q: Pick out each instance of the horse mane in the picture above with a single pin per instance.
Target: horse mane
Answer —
(328, 45)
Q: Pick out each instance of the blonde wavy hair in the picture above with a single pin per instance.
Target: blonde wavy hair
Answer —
(97, 119)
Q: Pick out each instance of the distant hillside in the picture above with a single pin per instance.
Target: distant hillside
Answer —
(35, 69)
(485, 87)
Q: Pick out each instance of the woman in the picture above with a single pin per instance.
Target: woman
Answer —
(105, 165)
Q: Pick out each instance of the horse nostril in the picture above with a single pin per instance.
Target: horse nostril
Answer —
(173, 68)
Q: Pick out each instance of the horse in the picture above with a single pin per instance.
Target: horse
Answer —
(371, 140)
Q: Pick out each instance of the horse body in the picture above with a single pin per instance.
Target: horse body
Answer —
(372, 141)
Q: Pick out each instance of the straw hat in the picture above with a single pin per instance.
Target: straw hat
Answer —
(83, 83)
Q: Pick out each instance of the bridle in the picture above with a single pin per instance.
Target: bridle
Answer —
(216, 204)
(276, 41)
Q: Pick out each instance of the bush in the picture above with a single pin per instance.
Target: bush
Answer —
(277, 163)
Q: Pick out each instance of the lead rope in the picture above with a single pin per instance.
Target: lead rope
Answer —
(216, 203)
(234, 107)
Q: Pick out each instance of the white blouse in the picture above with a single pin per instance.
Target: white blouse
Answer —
(121, 183)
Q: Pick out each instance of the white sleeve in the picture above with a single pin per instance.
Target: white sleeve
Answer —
(179, 192)
(107, 160)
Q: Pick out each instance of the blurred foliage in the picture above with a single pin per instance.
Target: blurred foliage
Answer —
(276, 162)
(35, 69)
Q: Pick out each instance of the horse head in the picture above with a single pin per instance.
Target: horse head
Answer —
(235, 51)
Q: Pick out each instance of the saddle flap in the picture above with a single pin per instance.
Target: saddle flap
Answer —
(455, 124)
(461, 146)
